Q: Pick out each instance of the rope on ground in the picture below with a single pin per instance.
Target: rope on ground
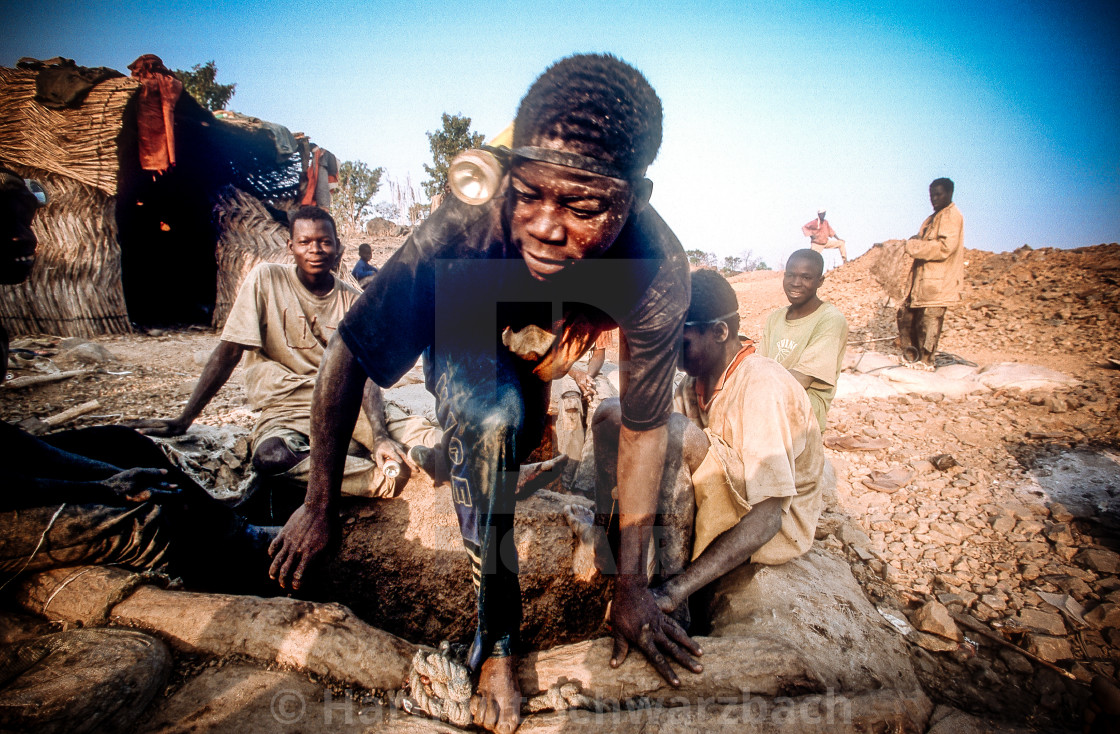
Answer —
(944, 359)
(440, 687)
(449, 683)
(561, 697)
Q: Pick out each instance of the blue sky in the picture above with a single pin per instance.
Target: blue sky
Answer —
(771, 109)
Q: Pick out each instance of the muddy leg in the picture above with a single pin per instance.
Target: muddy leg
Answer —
(273, 457)
(905, 320)
(928, 332)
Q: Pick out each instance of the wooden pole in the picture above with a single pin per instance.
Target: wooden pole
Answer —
(32, 380)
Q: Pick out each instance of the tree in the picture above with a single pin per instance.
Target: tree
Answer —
(406, 198)
(357, 185)
(201, 83)
(453, 139)
(732, 264)
(701, 258)
(387, 210)
(751, 262)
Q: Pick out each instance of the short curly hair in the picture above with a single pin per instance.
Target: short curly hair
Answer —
(945, 183)
(600, 106)
(312, 212)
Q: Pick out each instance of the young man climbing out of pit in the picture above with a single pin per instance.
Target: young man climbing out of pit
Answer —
(283, 317)
(747, 467)
(808, 337)
(501, 298)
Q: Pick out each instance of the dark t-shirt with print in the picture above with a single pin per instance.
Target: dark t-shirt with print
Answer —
(459, 281)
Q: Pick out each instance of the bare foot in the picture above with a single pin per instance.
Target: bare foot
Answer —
(534, 476)
(496, 705)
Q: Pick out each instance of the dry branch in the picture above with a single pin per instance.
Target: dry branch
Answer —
(32, 380)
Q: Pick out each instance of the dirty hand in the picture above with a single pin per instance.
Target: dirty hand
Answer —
(636, 620)
(164, 427)
(140, 485)
(584, 382)
(301, 540)
(386, 449)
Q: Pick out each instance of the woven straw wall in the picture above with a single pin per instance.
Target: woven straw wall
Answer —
(75, 286)
(248, 235)
(79, 143)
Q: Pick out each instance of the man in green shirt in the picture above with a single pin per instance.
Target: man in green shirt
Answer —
(807, 337)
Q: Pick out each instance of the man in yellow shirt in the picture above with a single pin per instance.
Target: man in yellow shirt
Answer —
(745, 433)
(808, 336)
(282, 318)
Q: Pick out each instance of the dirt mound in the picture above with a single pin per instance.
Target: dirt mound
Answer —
(1025, 302)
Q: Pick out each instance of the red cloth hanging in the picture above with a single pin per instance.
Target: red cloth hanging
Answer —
(155, 115)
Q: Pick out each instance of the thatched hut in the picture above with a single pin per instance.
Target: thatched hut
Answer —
(119, 245)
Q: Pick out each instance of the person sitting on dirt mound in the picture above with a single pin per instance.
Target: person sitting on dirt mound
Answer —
(822, 236)
(935, 276)
(501, 298)
(808, 336)
(106, 494)
(747, 470)
(283, 316)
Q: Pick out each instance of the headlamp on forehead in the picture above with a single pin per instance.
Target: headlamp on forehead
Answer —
(709, 322)
(10, 181)
(474, 176)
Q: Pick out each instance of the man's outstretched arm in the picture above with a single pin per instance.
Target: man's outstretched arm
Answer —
(214, 375)
(635, 618)
(334, 411)
(730, 550)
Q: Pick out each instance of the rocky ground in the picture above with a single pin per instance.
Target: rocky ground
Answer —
(1013, 535)
(1018, 537)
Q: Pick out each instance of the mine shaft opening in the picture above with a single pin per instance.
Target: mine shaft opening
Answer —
(167, 240)
(167, 222)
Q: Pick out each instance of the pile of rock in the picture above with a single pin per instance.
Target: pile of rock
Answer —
(1046, 299)
(980, 538)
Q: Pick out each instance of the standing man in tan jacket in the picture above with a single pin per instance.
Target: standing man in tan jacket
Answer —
(935, 277)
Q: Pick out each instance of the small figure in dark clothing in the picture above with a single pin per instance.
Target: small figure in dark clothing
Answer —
(363, 271)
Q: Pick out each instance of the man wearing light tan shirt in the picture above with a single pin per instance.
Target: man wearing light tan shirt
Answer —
(935, 276)
(746, 434)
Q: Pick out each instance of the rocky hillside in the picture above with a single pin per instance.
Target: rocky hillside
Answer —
(1019, 532)
(1026, 301)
